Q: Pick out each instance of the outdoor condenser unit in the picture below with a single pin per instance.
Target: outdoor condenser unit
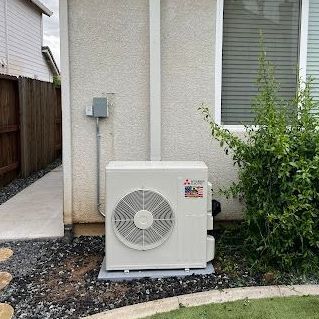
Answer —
(157, 216)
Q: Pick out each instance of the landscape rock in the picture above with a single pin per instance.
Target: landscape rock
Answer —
(5, 254)
(55, 279)
(6, 311)
(5, 278)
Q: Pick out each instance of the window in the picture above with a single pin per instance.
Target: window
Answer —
(313, 46)
(279, 21)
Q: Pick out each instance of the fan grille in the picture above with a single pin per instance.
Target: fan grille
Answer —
(158, 214)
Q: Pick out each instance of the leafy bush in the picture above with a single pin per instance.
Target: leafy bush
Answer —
(57, 81)
(278, 167)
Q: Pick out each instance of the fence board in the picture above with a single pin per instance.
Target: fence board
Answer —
(9, 130)
(58, 122)
(30, 126)
(38, 108)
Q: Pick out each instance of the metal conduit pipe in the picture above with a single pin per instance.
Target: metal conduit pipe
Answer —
(98, 155)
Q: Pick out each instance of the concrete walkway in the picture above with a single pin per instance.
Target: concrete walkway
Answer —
(36, 212)
(150, 308)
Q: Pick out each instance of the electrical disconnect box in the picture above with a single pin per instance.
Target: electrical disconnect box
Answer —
(99, 108)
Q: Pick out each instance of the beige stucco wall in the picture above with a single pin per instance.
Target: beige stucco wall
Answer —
(109, 53)
(188, 53)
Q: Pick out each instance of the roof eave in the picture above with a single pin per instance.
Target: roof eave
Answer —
(42, 7)
(50, 60)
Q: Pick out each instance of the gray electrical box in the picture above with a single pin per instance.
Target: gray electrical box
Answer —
(100, 107)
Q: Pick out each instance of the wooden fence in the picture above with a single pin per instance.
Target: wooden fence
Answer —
(30, 126)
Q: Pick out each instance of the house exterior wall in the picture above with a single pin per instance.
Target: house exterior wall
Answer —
(313, 46)
(109, 53)
(2, 36)
(188, 71)
(23, 42)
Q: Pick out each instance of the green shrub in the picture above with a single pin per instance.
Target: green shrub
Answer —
(278, 167)
(57, 81)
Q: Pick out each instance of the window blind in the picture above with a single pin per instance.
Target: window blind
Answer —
(243, 20)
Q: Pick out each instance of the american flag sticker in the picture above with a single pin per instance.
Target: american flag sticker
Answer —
(193, 191)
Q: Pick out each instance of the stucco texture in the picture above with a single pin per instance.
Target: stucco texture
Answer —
(109, 53)
(188, 53)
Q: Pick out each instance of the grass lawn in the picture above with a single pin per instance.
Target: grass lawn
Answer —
(274, 308)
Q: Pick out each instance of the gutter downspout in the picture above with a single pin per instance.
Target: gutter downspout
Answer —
(155, 79)
(66, 118)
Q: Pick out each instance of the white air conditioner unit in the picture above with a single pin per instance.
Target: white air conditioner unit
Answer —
(157, 216)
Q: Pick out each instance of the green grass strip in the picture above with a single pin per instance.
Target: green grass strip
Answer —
(275, 308)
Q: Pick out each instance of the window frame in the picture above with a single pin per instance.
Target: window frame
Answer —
(303, 46)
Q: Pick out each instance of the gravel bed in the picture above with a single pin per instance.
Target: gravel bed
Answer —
(56, 279)
(16, 186)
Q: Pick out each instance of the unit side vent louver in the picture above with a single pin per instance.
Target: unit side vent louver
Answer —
(143, 219)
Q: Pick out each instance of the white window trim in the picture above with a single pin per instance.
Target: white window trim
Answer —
(303, 46)
(303, 40)
(219, 59)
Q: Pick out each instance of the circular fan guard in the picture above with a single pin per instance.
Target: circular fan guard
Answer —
(143, 219)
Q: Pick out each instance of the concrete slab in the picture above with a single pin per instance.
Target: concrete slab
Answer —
(36, 212)
(203, 298)
(159, 273)
(220, 296)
